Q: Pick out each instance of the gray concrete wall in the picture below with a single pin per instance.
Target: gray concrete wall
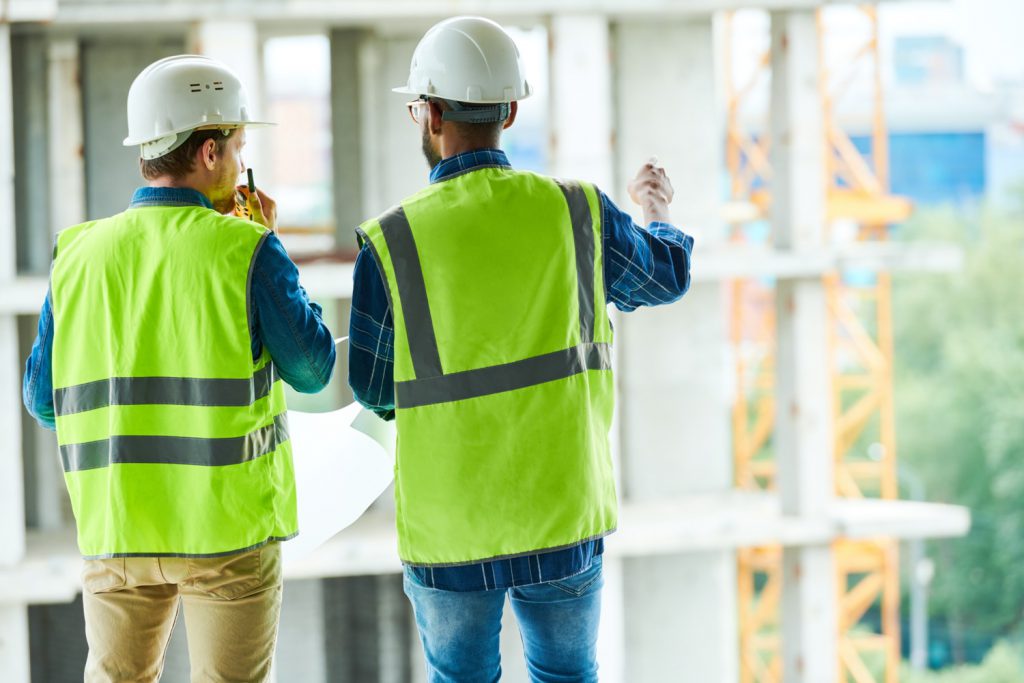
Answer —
(109, 66)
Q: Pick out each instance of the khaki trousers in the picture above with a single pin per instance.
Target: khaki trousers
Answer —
(232, 606)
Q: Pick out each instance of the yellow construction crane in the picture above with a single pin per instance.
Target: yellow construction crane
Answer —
(860, 352)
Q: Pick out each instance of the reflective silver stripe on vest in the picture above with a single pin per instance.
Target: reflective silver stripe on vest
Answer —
(431, 385)
(175, 450)
(520, 374)
(405, 259)
(583, 238)
(174, 391)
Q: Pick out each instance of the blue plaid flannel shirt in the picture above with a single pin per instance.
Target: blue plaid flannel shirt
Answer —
(642, 267)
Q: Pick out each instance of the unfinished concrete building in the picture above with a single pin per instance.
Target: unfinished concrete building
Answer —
(717, 486)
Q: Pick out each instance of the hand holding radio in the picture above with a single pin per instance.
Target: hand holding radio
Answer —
(255, 205)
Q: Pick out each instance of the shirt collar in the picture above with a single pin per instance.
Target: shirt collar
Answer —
(169, 196)
(468, 161)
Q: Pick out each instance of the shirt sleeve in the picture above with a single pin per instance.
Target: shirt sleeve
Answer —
(371, 342)
(37, 385)
(287, 323)
(642, 266)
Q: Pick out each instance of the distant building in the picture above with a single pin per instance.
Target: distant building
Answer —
(951, 143)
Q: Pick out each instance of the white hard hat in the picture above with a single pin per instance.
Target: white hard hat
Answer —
(176, 95)
(467, 59)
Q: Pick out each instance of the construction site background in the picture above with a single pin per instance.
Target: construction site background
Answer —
(854, 177)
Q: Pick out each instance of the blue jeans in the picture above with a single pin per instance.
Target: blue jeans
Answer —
(557, 622)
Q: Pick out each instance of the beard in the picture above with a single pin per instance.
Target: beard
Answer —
(226, 191)
(225, 205)
(429, 153)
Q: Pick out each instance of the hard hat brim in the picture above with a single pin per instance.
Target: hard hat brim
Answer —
(131, 142)
(406, 90)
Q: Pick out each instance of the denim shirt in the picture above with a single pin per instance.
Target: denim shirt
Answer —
(282, 319)
(642, 267)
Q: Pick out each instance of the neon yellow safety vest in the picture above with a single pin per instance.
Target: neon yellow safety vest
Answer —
(503, 382)
(173, 440)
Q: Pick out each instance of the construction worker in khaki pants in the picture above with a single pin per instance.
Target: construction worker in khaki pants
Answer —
(162, 347)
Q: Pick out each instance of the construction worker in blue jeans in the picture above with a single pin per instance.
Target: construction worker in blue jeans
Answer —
(480, 324)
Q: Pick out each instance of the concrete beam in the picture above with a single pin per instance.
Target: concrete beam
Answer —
(371, 11)
(28, 10)
(24, 295)
(803, 418)
(744, 519)
(728, 261)
(692, 526)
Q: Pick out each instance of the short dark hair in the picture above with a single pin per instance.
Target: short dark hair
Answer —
(182, 161)
(486, 134)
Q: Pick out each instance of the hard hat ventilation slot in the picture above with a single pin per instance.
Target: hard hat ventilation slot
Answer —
(218, 85)
(196, 87)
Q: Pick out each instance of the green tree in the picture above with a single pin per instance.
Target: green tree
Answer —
(1002, 664)
(960, 412)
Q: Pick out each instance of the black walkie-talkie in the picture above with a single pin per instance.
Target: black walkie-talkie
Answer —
(241, 201)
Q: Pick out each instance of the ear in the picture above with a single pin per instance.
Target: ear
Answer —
(512, 111)
(208, 154)
(434, 117)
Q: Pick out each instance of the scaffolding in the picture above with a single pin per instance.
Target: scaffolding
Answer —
(860, 349)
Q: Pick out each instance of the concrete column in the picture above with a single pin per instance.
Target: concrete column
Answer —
(680, 610)
(302, 644)
(65, 203)
(31, 199)
(46, 500)
(582, 146)
(14, 651)
(109, 65)
(803, 422)
(346, 134)
(367, 630)
(66, 143)
(236, 42)
(393, 165)
(581, 99)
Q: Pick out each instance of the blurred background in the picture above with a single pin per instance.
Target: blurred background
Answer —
(854, 177)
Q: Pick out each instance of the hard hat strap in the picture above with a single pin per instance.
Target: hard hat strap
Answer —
(154, 149)
(494, 113)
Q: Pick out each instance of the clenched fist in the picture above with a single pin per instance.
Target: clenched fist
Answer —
(652, 191)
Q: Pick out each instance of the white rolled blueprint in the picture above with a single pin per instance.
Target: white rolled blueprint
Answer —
(344, 460)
